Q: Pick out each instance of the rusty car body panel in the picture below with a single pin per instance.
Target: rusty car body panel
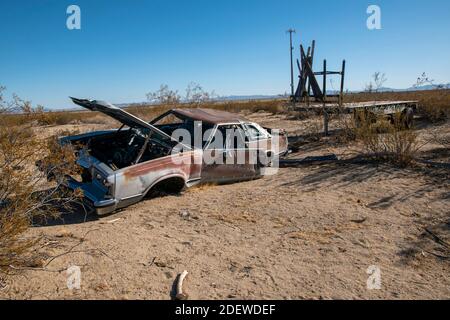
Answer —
(121, 166)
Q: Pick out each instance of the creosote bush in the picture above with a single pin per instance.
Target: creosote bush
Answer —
(388, 141)
(25, 193)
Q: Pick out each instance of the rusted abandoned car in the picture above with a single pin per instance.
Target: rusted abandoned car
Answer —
(121, 166)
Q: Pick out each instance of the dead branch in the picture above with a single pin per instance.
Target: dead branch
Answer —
(437, 239)
(437, 255)
(71, 250)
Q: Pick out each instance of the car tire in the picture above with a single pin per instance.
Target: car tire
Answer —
(408, 118)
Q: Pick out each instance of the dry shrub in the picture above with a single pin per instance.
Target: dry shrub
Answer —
(39, 117)
(18, 112)
(270, 106)
(435, 107)
(441, 137)
(25, 193)
(55, 118)
(346, 128)
(166, 98)
(313, 130)
(292, 114)
(388, 141)
(443, 140)
(202, 187)
(71, 117)
(149, 112)
(435, 113)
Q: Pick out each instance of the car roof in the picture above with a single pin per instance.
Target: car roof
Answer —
(210, 115)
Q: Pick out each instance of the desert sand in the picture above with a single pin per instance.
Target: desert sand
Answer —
(309, 232)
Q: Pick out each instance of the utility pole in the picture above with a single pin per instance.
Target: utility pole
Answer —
(291, 48)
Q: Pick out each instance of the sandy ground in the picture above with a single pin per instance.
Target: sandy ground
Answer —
(305, 233)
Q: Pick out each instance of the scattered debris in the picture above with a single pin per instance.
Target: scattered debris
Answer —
(160, 264)
(64, 234)
(437, 255)
(285, 163)
(185, 214)
(362, 220)
(3, 284)
(437, 239)
(246, 269)
(435, 164)
(180, 295)
(149, 264)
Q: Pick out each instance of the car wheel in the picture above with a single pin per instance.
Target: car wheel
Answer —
(408, 117)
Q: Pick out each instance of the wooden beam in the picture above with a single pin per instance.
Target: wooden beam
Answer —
(313, 46)
(314, 84)
(305, 74)
(320, 73)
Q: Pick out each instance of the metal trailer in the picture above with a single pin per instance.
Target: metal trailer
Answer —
(371, 111)
(368, 111)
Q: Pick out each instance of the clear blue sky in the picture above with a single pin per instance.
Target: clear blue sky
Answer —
(127, 48)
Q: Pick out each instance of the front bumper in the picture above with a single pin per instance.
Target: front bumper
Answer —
(95, 196)
(104, 207)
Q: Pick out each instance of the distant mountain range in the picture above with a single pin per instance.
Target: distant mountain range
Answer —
(281, 96)
(419, 88)
(250, 97)
(384, 89)
(219, 99)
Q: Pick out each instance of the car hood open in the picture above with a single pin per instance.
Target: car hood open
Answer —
(119, 114)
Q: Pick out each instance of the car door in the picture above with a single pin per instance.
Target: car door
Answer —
(258, 139)
(226, 158)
